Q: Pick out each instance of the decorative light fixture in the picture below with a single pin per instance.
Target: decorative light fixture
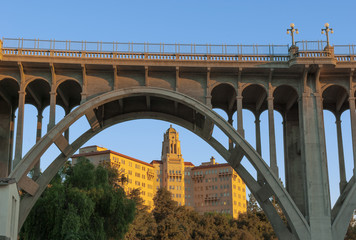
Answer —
(326, 30)
(291, 30)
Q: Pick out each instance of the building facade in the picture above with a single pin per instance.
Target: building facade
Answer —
(139, 174)
(210, 187)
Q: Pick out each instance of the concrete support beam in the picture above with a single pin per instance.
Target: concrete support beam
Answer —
(240, 128)
(28, 185)
(93, 120)
(294, 165)
(341, 154)
(34, 96)
(230, 121)
(314, 155)
(353, 128)
(146, 77)
(272, 136)
(66, 132)
(207, 89)
(5, 138)
(9, 209)
(63, 144)
(258, 144)
(53, 94)
(37, 168)
(340, 101)
(208, 129)
(52, 111)
(84, 81)
(264, 193)
(236, 155)
(63, 97)
(19, 132)
(116, 77)
(177, 79)
(5, 96)
(291, 102)
(260, 101)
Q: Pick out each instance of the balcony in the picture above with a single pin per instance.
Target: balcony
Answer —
(211, 198)
(221, 174)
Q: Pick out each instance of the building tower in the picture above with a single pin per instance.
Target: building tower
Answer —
(173, 165)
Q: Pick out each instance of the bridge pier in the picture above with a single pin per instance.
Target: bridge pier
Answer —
(5, 139)
(9, 209)
(318, 209)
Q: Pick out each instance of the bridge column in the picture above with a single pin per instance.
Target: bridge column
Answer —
(19, 132)
(240, 128)
(341, 153)
(9, 209)
(5, 138)
(314, 155)
(258, 142)
(272, 136)
(52, 111)
(231, 144)
(37, 169)
(66, 132)
(294, 166)
(353, 127)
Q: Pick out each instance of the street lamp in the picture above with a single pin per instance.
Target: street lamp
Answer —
(326, 30)
(291, 30)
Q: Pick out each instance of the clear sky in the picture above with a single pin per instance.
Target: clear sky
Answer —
(215, 22)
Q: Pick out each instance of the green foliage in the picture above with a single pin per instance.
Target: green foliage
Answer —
(81, 202)
(168, 221)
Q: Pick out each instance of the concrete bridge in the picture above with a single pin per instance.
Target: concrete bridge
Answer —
(111, 83)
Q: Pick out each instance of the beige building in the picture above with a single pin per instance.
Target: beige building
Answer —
(210, 187)
(215, 187)
(139, 174)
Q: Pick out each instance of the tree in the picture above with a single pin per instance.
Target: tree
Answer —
(144, 225)
(80, 203)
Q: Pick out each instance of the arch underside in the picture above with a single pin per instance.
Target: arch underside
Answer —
(143, 102)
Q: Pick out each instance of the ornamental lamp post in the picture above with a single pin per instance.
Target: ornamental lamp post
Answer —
(326, 30)
(291, 30)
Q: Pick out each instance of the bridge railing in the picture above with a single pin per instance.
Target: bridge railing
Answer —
(161, 51)
(148, 56)
(176, 48)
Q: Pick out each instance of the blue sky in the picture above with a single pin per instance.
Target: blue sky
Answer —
(215, 22)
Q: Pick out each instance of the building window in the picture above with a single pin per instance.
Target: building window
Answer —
(143, 168)
(130, 164)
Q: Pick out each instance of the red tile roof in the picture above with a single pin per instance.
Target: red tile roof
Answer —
(157, 161)
(188, 164)
(112, 152)
(211, 166)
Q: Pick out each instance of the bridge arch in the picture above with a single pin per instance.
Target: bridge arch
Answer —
(223, 96)
(201, 122)
(68, 79)
(37, 93)
(254, 98)
(335, 99)
(33, 79)
(68, 94)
